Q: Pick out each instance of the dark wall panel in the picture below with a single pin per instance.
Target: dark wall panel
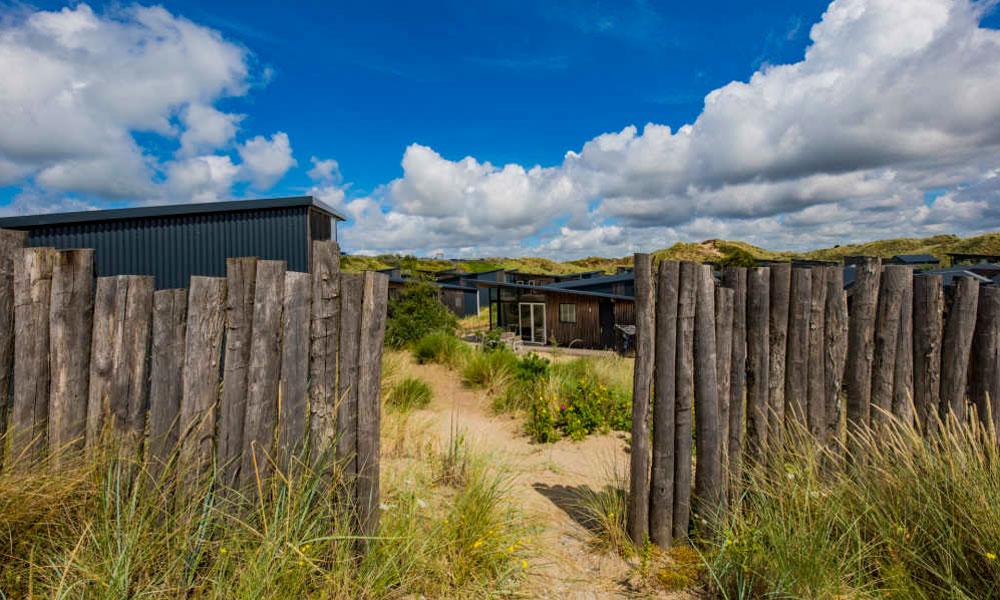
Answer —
(174, 248)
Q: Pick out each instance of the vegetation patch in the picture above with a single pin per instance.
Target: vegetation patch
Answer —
(415, 311)
(411, 392)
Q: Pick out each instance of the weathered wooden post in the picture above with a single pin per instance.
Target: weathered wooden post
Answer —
(645, 327)
(890, 303)
(32, 291)
(708, 474)
(324, 333)
(661, 485)
(373, 317)
(835, 353)
(293, 392)
(957, 345)
(723, 362)
(11, 243)
(736, 279)
(200, 388)
(166, 377)
(777, 323)
(351, 298)
(984, 377)
(241, 280)
(816, 385)
(123, 308)
(684, 397)
(797, 354)
(758, 311)
(902, 380)
(861, 342)
(262, 374)
(928, 323)
(71, 315)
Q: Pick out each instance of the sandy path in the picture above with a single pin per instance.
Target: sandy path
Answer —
(548, 478)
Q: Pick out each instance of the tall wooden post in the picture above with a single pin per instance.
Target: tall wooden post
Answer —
(373, 316)
(351, 296)
(166, 370)
(835, 353)
(797, 354)
(324, 332)
(736, 279)
(241, 279)
(723, 363)
(641, 395)
(777, 323)
(263, 373)
(928, 324)
(816, 385)
(957, 345)
(861, 341)
(661, 485)
(32, 291)
(758, 311)
(70, 327)
(902, 380)
(890, 303)
(684, 397)
(11, 243)
(293, 415)
(708, 475)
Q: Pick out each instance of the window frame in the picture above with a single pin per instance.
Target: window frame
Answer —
(561, 318)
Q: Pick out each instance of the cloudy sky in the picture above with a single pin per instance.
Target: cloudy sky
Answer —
(562, 129)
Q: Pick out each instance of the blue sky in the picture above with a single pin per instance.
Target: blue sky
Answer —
(399, 94)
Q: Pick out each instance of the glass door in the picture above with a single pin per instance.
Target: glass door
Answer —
(531, 322)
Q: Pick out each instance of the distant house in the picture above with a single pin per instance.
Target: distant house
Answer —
(949, 275)
(174, 242)
(621, 284)
(459, 299)
(959, 259)
(914, 260)
(566, 315)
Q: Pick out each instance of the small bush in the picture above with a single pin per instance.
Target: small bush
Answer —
(414, 312)
(409, 393)
(589, 407)
(491, 371)
(440, 347)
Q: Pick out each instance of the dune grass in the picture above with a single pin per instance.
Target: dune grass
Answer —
(409, 393)
(441, 347)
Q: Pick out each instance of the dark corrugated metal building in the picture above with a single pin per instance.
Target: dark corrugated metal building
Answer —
(179, 240)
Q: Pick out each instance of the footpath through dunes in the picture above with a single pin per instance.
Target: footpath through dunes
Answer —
(547, 479)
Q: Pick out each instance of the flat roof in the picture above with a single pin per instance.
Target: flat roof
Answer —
(168, 210)
(552, 289)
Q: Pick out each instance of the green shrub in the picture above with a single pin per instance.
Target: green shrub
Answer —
(491, 340)
(531, 368)
(411, 392)
(490, 370)
(414, 312)
(440, 347)
(541, 423)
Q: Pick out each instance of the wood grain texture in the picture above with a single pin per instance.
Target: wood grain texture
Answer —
(166, 369)
(373, 316)
(984, 374)
(71, 314)
(735, 278)
(723, 368)
(777, 335)
(32, 291)
(928, 327)
(642, 389)
(834, 354)
(861, 342)
(324, 332)
(11, 244)
(758, 361)
(708, 474)
(890, 303)
(902, 379)
(661, 484)
(351, 298)
(816, 384)
(200, 390)
(293, 407)
(241, 282)
(263, 373)
(796, 356)
(957, 345)
(687, 293)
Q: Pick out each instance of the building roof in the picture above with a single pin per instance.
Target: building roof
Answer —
(915, 259)
(446, 286)
(575, 283)
(552, 288)
(168, 210)
(948, 275)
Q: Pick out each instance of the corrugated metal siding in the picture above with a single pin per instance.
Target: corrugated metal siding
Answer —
(174, 248)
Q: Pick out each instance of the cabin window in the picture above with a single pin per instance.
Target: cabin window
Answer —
(567, 313)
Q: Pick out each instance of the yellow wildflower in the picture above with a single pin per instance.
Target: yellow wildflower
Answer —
(222, 550)
(478, 544)
(301, 563)
(991, 556)
(611, 515)
(524, 564)
(510, 548)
